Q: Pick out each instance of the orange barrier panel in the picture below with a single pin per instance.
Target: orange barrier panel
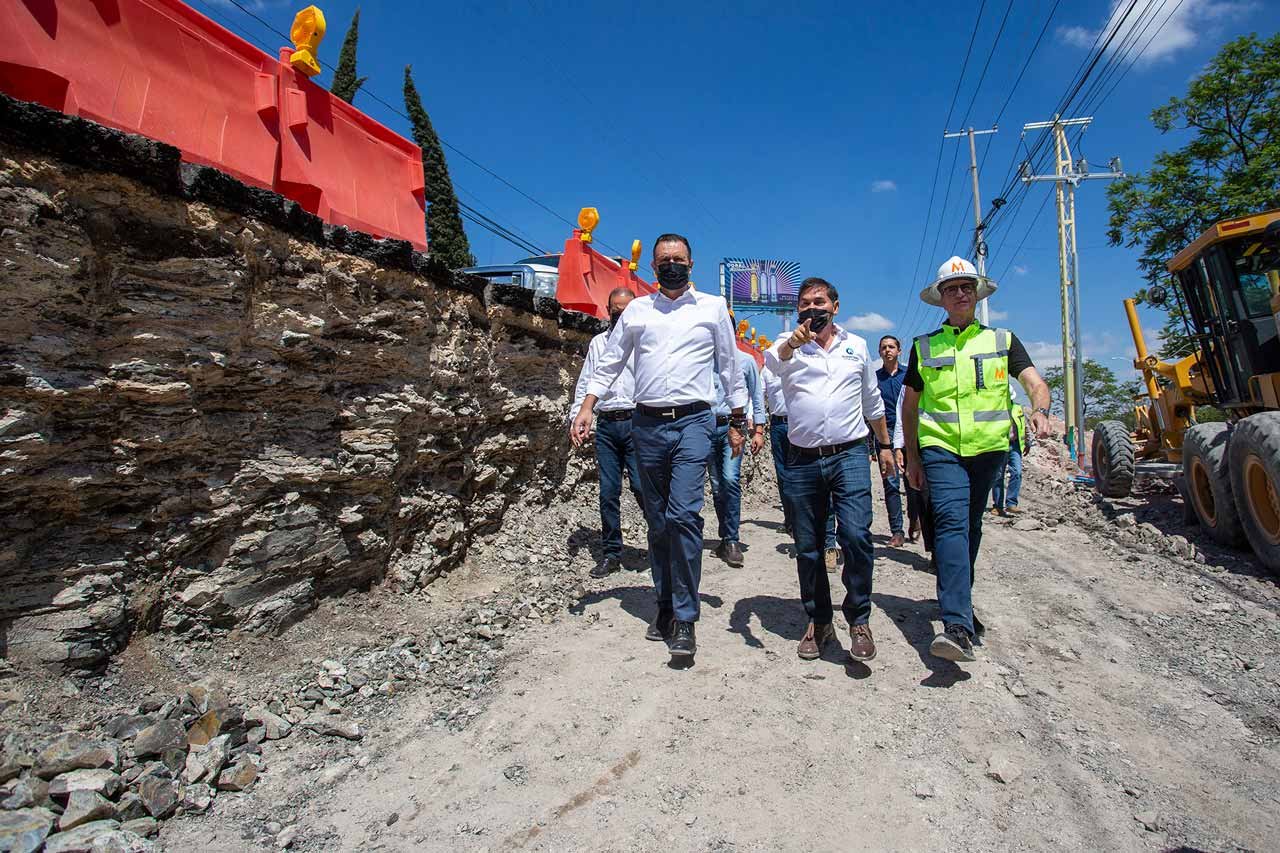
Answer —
(345, 167)
(152, 67)
(587, 277)
(751, 351)
(160, 69)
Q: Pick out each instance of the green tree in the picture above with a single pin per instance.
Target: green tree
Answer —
(345, 82)
(445, 234)
(1229, 167)
(1105, 397)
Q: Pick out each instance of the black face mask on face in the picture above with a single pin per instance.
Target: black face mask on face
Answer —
(818, 319)
(673, 275)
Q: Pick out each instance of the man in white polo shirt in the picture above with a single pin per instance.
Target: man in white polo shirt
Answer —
(675, 340)
(829, 382)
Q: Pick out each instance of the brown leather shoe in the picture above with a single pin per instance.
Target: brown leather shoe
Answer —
(832, 559)
(896, 540)
(814, 639)
(863, 646)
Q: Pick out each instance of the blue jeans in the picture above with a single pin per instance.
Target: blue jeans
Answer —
(958, 489)
(672, 456)
(726, 487)
(1000, 496)
(893, 502)
(614, 454)
(813, 485)
(780, 446)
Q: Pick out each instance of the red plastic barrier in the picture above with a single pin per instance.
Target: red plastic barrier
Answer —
(345, 167)
(587, 277)
(152, 67)
(751, 351)
(160, 69)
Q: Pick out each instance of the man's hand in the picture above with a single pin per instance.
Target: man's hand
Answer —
(1040, 421)
(736, 441)
(580, 429)
(897, 457)
(801, 336)
(888, 463)
(915, 472)
(757, 440)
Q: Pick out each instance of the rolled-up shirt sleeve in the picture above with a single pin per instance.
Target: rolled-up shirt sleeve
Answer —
(872, 401)
(755, 389)
(726, 348)
(614, 358)
(899, 436)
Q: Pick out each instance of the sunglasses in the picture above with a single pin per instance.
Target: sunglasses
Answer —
(967, 287)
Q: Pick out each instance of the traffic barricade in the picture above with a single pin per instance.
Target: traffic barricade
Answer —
(152, 67)
(345, 167)
(587, 277)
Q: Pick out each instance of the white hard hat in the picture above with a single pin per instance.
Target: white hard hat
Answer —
(954, 268)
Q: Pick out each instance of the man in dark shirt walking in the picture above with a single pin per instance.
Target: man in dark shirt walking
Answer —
(889, 377)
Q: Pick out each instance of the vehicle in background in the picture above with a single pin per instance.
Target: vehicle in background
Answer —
(540, 274)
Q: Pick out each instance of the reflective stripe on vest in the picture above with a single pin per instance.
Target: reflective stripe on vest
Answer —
(965, 405)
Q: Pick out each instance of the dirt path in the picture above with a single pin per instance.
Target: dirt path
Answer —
(1097, 702)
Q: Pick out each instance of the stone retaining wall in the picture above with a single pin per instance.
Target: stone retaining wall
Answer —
(215, 408)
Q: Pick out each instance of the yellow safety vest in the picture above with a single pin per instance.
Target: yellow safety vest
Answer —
(1020, 422)
(965, 404)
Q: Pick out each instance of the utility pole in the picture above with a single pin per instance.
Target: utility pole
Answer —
(1066, 177)
(979, 245)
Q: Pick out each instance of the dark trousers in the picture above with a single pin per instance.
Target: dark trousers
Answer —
(615, 454)
(893, 502)
(672, 457)
(780, 446)
(813, 485)
(958, 489)
(918, 513)
(725, 471)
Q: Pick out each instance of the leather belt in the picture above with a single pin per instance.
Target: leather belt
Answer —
(827, 449)
(617, 415)
(722, 420)
(672, 413)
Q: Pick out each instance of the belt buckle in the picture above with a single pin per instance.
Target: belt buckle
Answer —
(671, 414)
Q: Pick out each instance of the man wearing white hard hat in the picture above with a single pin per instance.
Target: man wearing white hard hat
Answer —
(955, 413)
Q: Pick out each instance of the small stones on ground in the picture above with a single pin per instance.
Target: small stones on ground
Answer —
(331, 726)
(143, 826)
(516, 774)
(286, 838)
(74, 751)
(81, 839)
(239, 776)
(159, 795)
(1017, 688)
(392, 818)
(105, 782)
(1150, 820)
(1028, 524)
(1001, 768)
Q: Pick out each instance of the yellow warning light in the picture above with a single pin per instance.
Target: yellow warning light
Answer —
(588, 219)
(306, 33)
(635, 256)
(743, 325)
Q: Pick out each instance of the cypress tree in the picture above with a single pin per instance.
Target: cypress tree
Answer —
(345, 83)
(445, 233)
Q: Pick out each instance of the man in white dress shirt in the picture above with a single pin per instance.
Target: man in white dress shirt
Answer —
(675, 340)
(832, 396)
(614, 451)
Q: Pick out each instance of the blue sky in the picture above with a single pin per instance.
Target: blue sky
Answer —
(804, 131)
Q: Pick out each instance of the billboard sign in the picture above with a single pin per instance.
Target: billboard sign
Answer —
(759, 283)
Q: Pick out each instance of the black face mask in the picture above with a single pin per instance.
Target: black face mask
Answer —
(817, 317)
(613, 320)
(673, 275)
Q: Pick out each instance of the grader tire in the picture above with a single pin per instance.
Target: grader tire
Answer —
(1255, 481)
(1205, 471)
(1112, 459)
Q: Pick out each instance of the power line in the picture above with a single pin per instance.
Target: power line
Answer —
(933, 192)
(374, 95)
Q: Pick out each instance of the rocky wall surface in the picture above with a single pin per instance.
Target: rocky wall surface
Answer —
(215, 408)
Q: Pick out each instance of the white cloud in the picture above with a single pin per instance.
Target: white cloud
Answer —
(869, 322)
(1173, 28)
(997, 315)
(884, 186)
(1019, 269)
(1044, 354)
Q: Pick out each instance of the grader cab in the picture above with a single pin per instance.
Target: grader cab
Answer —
(1228, 286)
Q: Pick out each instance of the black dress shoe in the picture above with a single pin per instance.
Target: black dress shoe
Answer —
(979, 630)
(731, 553)
(684, 644)
(607, 566)
(661, 626)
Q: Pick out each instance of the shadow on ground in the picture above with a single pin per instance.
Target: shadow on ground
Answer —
(914, 619)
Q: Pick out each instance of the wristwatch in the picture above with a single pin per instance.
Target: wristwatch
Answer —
(1042, 410)
(739, 423)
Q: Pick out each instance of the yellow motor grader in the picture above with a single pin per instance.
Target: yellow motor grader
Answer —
(1228, 283)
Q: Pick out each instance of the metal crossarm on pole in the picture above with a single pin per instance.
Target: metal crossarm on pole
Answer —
(1067, 175)
(979, 245)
